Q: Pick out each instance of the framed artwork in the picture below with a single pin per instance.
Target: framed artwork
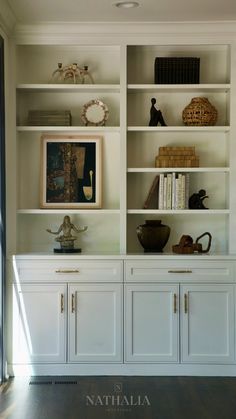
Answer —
(71, 171)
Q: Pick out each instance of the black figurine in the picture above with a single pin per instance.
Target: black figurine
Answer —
(155, 115)
(196, 200)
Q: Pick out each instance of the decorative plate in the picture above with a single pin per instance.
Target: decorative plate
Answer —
(95, 112)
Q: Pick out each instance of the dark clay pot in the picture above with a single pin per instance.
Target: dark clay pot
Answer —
(153, 235)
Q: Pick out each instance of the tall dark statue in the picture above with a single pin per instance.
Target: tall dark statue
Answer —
(155, 115)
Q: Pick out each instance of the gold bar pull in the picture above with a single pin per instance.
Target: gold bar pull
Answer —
(185, 303)
(67, 271)
(180, 271)
(62, 303)
(175, 303)
(72, 303)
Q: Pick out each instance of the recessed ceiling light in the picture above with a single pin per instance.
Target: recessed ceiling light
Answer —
(126, 4)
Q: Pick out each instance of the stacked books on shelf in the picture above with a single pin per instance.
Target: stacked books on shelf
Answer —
(177, 157)
(168, 192)
(173, 191)
(49, 118)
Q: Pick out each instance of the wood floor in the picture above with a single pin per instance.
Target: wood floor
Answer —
(118, 398)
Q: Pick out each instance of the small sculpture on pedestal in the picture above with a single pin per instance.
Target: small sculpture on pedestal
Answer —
(156, 115)
(66, 239)
(196, 200)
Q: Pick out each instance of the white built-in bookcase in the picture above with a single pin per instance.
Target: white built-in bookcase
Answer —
(124, 80)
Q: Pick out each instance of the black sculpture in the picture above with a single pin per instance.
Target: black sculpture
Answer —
(155, 115)
(196, 200)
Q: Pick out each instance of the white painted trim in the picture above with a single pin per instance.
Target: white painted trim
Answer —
(123, 369)
(128, 32)
(115, 256)
(7, 17)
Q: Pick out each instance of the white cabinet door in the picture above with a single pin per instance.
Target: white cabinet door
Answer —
(207, 322)
(95, 322)
(151, 323)
(39, 323)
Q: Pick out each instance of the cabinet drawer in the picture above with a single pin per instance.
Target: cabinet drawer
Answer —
(179, 270)
(68, 271)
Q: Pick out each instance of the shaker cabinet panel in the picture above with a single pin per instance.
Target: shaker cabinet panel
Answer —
(179, 270)
(95, 323)
(207, 322)
(151, 323)
(68, 270)
(39, 323)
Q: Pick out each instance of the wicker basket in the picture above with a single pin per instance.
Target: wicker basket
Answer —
(199, 112)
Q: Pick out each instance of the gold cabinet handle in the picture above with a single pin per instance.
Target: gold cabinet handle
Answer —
(62, 303)
(175, 303)
(180, 271)
(185, 303)
(72, 303)
(67, 271)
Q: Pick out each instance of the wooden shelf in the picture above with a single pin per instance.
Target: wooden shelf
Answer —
(224, 128)
(180, 212)
(178, 88)
(25, 128)
(69, 88)
(39, 211)
(178, 169)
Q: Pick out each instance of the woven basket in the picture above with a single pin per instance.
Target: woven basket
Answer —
(199, 112)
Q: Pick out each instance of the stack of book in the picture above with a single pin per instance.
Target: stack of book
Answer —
(177, 157)
(168, 192)
(49, 118)
(173, 191)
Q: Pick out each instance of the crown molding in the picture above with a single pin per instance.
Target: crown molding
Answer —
(87, 32)
(7, 17)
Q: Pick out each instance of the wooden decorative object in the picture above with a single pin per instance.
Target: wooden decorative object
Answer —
(152, 198)
(200, 112)
(186, 245)
(177, 157)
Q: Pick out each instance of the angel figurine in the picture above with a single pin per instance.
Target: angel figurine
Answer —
(66, 239)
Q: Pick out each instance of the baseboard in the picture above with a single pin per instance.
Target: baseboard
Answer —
(122, 369)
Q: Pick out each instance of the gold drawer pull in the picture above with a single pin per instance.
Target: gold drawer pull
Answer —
(62, 303)
(185, 303)
(72, 303)
(67, 271)
(184, 271)
(175, 303)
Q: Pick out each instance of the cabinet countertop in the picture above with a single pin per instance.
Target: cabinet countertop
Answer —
(136, 256)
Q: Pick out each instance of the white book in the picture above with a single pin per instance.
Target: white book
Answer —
(187, 180)
(165, 193)
(173, 191)
(169, 192)
(178, 182)
(183, 180)
(161, 192)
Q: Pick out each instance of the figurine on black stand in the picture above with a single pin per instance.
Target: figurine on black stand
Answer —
(155, 115)
(66, 239)
(196, 200)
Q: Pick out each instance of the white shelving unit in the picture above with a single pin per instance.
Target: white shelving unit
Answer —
(131, 290)
(124, 80)
(35, 90)
(212, 143)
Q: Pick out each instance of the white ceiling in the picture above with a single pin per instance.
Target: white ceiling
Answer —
(32, 11)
